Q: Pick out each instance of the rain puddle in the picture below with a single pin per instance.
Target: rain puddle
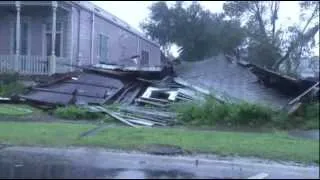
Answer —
(45, 167)
(310, 134)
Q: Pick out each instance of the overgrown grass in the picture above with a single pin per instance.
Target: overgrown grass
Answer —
(212, 113)
(308, 116)
(75, 113)
(9, 84)
(271, 146)
(14, 110)
(26, 133)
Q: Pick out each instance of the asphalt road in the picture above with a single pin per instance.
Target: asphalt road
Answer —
(36, 162)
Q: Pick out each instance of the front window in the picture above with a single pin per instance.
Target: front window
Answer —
(144, 57)
(103, 48)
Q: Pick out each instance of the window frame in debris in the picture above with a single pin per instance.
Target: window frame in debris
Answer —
(103, 57)
(144, 58)
(59, 33)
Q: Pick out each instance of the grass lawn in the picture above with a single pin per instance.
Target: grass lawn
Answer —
(27, 133)
(15, 110)
(276, 146)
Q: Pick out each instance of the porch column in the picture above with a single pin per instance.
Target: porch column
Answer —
(18, 8)
(53, 40)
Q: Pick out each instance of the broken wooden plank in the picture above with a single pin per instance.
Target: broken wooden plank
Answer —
(259, 176)
(130, 116)
(112, 114)
(121, 119)
(187, 92)
(185, 83)
(136, 120)
(303, 94)
(148, 81)
(4, 99)
(148, 111)
(141, 122)
(89, 84)
(150, 102)
(185, 96)
(155, 100)
(61, 92)
(127, 89)
(150, 118)
(183, 99)
(294, 108)
(134, 95)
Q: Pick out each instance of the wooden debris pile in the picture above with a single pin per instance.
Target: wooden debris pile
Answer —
(95, 87)
(128, 94)
(138, 116)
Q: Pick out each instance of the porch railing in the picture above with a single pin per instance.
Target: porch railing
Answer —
(7, 63)
(32, 65)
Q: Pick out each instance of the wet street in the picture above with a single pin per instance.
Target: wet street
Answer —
(33, 162)
(309, 134)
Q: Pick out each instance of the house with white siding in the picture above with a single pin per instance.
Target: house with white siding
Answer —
(41, 37)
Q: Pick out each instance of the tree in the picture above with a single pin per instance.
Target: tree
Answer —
(196, 31)
(260, 28)
(305, 36)
(267, 47)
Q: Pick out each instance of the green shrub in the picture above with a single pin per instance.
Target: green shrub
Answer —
(249, 114)
(310, 116)
(9, 84)
(11, 89)
(212, 112)
(75, 113)
(7, 78)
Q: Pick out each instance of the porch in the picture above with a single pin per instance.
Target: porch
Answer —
(35, 37)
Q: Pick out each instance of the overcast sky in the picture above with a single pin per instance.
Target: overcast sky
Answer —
(134, 12)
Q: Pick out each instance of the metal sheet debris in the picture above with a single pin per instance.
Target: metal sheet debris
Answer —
(87, 87)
